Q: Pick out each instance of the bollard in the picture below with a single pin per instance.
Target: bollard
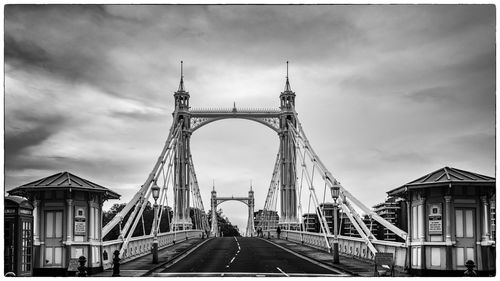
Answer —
(116, 263)
(470, 272)
(82, 270)
(268, 235)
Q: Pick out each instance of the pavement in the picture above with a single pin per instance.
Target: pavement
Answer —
(143, 265)
(349, 265)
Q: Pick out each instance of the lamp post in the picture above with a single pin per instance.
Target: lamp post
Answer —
(155, 189)
(335, 189)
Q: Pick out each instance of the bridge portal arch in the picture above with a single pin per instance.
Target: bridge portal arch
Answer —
(279, 120)
(249, 201)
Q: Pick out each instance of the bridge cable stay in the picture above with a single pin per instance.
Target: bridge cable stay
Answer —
(320, 211)
(143, 200)
(197, 195)
(120, 216)
(161, 172)
(360, 226)
(164, 195)
(309, 180)
(331, 181)
(271, 196)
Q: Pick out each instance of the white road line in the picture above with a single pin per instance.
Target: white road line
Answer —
(237, 252)
(282, 272)
(307, 259)
(242, 274)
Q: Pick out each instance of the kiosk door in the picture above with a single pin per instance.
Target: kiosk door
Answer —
(8, 246)
(53, 238)
(465, 237)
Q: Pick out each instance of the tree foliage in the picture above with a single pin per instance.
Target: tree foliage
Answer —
(224, 224)
(141, 228)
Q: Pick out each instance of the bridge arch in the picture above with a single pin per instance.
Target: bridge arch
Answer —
(272, 123)
(249, 201)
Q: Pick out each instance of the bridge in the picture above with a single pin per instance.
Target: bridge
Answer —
(299, 179)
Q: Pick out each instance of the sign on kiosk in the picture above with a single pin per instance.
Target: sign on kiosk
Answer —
(435, 220)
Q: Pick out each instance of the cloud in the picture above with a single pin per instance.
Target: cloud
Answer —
(385, 93)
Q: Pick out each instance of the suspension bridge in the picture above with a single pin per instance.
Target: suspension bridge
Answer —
(300, 184)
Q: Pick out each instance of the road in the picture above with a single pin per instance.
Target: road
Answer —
(244, 256)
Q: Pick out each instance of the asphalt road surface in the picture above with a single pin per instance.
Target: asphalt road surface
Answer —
(245, 256)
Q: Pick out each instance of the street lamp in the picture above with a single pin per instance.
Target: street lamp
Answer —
(335, 189)
(155, 189)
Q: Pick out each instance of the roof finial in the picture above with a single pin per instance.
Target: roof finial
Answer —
(286, 69)
(287, 84)
(213, 185)
(181, 84)
(250, 185)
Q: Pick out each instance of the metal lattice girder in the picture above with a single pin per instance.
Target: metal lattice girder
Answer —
(331, 181)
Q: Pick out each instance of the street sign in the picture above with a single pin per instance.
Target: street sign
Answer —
(383, 258)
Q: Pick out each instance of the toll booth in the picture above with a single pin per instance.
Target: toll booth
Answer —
(67, 222)
(451, 219)
(18, 236)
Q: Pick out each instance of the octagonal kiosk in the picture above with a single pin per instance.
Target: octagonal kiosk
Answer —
(67, 222)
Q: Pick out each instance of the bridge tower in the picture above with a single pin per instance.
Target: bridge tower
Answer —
(288, 216)
(251, 206)
(213, 206)
(182, 116)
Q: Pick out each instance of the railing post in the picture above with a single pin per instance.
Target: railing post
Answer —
(82, 270)
(116, 263)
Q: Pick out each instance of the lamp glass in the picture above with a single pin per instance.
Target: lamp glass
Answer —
(335, 191)
(156, 191)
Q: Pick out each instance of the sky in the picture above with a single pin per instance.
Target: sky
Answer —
(385, 93)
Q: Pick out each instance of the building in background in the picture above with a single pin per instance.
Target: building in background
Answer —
(392, 210)
(266, 219)
(311, 223)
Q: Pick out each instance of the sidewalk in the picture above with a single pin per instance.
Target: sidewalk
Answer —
(142, 265)
(347, 264)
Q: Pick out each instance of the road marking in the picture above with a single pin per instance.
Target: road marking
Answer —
(282, 272)
(171, 262)
(241, 274)
(308, 259)
(237, 252)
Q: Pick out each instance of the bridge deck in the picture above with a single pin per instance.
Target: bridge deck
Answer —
(143, 265)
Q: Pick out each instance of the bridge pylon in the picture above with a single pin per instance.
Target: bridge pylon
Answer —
(181, 220)
(288, 168)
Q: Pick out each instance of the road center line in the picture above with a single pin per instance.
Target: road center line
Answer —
(237, 252)
(282, 272)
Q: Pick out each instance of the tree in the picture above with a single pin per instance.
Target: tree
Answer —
(141, 228)
(224, 224)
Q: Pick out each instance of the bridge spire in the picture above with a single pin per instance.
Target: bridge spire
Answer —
(287, 84)
(181, 84)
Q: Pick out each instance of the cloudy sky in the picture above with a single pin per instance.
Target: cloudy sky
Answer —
(386, 93)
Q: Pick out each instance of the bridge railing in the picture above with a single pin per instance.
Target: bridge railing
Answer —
(349, 246)
(140, 246)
